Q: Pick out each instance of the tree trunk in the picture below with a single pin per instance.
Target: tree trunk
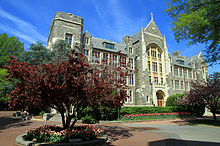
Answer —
(214, 116)
(63, 120)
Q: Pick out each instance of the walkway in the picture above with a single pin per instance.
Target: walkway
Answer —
(154, 133)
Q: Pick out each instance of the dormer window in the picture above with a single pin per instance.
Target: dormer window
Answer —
(109, 46)
(180, 62)
(68, 38)
(86, 40)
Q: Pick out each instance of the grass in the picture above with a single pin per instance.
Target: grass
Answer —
(207, 122)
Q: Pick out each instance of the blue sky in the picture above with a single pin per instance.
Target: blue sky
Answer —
(108, 19)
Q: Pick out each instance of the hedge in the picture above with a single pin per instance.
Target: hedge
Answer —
(148, 110)
(195, 111)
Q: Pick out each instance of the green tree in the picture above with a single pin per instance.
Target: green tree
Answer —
(61, 51)
(6, 87)
(35, 54)
(199, 22)
(38, 53)
(9, 46)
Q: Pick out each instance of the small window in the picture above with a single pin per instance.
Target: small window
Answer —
(185, 73)
(114, 62)
(68, 38)
(130, 50)
(181, 72)
(123, 61)
(175, 71)
(190, 73)
(148, 65)
(182, 85)
(159, 55)
(176, 84)
(150, 79)
(86, 53)
(187, 86)
(131, 63)
(160, 67)
(156, 80)
(154, 66)
(95, 57)
(105, 58)
(131, 79)
(153, 53)
(86, 40)
(131, 96)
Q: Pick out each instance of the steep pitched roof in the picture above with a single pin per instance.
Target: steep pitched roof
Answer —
(98, 44)
(87, 33)
(152, 27)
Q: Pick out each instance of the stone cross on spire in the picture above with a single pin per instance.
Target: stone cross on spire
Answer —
(151, 15)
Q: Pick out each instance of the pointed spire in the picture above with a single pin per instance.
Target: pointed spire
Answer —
(152, 16)
(200, 54)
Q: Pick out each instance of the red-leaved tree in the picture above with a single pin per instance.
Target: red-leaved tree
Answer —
(205, 94)
(66, 86)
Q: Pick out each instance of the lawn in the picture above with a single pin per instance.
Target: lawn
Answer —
(207, 122)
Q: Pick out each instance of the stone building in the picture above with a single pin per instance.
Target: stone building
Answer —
(159, 74)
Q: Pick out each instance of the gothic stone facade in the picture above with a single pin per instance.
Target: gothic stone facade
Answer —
(156, 73)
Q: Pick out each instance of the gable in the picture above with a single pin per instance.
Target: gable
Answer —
(152, 28)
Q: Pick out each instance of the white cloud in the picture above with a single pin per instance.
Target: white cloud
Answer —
(97, 10)
(22, 28)
(17, 33)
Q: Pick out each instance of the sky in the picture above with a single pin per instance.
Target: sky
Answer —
(30, 20)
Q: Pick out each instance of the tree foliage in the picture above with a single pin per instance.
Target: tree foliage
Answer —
(205, 94)
(172, 100)
(38, 53)
(9, 46)
(5, 87)
(199, 22)
(35, 54)
(65, 85)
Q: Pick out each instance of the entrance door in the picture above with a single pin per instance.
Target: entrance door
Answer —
(160, 98)
(159, 102)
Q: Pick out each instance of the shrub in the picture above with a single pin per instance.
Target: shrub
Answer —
(53, 133)
(172, 99)
(87, 115)
(144, 110)
(91, 115)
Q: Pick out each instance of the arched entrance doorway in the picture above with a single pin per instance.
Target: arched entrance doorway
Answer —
(160, 98)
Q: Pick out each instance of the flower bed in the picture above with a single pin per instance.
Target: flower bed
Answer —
(56, 134)
(156, 115)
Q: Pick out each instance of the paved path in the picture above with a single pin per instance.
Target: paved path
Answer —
(177, 134)
(154, 133)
